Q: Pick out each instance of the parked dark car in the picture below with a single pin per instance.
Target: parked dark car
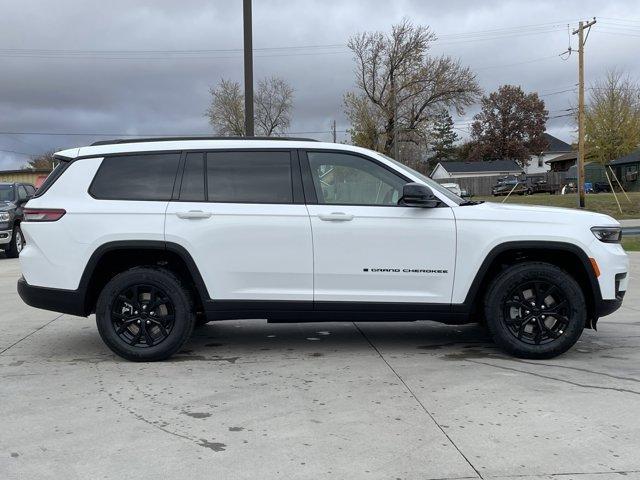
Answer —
(543, 186)
(510, 184)
(13, 196)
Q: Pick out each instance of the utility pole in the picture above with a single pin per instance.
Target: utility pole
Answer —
(333, 132)
(580, 166)
(248, 69)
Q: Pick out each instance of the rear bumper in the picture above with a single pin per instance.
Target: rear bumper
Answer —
(54, 299)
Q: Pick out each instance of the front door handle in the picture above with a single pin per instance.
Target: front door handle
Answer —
(193, 214)
(335, 217)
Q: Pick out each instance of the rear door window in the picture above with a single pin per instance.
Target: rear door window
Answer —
(249, 177)
(136, 177)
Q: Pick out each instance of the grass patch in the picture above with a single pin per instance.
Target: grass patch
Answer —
(631, 243)
(596, 202)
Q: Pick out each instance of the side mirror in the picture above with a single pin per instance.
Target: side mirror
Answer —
(418, 195)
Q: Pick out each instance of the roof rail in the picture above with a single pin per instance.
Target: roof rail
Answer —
(169, 139)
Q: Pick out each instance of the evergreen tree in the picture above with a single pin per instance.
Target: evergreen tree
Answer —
(443, 139)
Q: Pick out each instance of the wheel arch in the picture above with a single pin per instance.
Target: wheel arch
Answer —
(114, 257)
(565, 255)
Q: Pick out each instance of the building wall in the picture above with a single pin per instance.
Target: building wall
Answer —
(534, 163)
(33, 177)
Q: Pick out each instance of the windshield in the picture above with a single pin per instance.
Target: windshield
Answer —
(6, 193)
(430, 182)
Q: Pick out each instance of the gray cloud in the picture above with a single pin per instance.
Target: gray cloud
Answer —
(154, 94)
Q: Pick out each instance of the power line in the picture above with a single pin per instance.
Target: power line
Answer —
(291, 50)
(16, 152)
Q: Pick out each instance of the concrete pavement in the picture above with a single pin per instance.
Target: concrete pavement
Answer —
(247, 399)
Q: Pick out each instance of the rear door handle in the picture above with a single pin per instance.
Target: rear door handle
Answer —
(193, 214)
(335, 217)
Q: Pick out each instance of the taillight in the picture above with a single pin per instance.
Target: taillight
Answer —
(42, 214)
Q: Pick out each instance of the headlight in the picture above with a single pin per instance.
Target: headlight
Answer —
(4, 217)
(608, 234)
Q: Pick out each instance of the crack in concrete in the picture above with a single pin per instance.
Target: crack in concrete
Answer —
(548, 377)
(29, 334)
(564, 474)
(586, 370)
(479, 475)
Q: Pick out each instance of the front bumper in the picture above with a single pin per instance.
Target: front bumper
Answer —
(54, 299)
(5, 236)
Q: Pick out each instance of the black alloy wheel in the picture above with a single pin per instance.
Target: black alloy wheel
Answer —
(536, 312)
(142, 315)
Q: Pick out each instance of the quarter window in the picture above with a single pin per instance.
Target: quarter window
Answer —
(136, 177)
(249, 177)
(352, 180)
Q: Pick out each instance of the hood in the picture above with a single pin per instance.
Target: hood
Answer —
(6, 206)
(541, 214)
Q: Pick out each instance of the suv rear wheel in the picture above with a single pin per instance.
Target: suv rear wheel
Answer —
(145, 314)
(535, 310)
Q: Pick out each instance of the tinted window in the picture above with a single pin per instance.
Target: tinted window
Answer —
(6, 193)
(192, 188)
(249, 177)
(352, 180)
(136, 177)
(22, 192)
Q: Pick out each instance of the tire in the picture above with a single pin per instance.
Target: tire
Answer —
(535, 310)
(145, 314)
(17, 243)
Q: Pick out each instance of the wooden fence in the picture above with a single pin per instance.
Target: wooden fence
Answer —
(482, 185)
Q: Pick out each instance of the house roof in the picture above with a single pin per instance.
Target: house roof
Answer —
(484, 167)
(633, 157)
(556, 145)
(564, 157)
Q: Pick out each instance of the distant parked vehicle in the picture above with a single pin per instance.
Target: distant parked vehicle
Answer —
(453, 187)
(542, 186)
(13, 196)
(510, 185)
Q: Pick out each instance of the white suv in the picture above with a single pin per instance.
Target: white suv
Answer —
(156, 236)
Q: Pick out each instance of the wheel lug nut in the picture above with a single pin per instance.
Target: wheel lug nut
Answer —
(148, 322)
(543, 316)
(135, 313)
(527, 312)
(138, 322)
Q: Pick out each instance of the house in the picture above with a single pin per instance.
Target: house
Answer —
(627, 170)
(563, 162)
(27, 175)
(555, 148)
(475, 169)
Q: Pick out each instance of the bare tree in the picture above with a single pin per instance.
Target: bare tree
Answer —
(405, 85)
(226, 111)
(44, 161)
(612, 119)
(273, 105)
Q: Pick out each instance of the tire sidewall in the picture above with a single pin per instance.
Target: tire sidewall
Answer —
(183, 323)
(500, 290)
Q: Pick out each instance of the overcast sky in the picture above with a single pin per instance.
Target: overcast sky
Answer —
(145, 66)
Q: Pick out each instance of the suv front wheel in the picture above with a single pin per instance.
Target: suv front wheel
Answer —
(145, 314)
(535, 310)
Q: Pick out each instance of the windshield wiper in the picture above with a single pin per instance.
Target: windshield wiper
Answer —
(470, 202)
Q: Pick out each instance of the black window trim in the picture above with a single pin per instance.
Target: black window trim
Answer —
(309, 186)
(55, 174)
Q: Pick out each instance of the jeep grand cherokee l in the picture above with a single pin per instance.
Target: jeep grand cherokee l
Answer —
(155, 236)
